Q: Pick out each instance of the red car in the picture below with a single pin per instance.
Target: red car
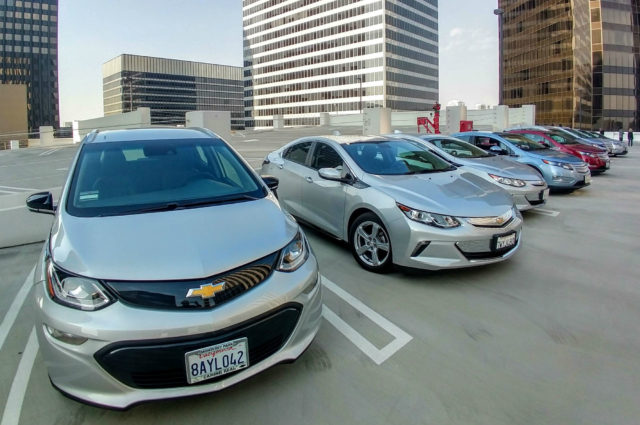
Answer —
(597, 158)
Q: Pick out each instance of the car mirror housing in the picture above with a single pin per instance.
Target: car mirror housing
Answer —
(41, 202)
(331, 174)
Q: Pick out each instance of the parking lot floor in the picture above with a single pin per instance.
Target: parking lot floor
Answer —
(549, 337)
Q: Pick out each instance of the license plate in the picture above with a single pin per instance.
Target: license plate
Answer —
(607, 164)
(216, 360)
(505, 241)
(544, 195)
(587, 178)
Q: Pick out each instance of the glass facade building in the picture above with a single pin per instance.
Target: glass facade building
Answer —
(576, 60)
(29, 56)
(171, 88)
(303, 58)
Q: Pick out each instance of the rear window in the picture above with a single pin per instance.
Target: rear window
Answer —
(120, 177)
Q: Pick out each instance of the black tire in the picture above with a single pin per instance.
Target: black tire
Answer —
(370, 244)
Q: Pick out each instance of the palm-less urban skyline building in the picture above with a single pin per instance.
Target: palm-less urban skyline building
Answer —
(29, 56)
(171, 88)
(309, 57)
(577, 61)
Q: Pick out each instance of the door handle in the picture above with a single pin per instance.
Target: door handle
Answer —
(309, 179)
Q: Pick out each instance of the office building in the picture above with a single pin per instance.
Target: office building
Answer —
(29, 56)
(171, 88)
(306, 57)
(577, 61)
(13, 112)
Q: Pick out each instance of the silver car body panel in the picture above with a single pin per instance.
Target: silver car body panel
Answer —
(457, 193)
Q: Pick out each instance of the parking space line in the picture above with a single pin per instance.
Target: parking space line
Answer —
(49, 152)
(14, 309)
(12, 208)
(401, 338)
(19, 189)
(13, 407)
(542, 211)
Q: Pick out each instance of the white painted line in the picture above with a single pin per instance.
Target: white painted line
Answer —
(401, 338)
(12, 208)
(251, 140)
(14, 309)
(62, 169)
(11, 192)
(13, 408)
(49, 152)
(542, 211)
(23, 189)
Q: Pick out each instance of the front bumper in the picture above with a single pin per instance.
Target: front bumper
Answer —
(421, 246)
(561, 178)
(530, 196)
(80, 371)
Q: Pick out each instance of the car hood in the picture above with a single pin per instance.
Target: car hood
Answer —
(553, 155)
(502, 166)
(580, 147)
(172, 245)
(454, 193)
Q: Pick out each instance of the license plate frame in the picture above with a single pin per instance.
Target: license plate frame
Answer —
(587, 179)
(498, 242)
(216, 360)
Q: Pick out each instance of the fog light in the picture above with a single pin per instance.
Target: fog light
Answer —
(65, 336)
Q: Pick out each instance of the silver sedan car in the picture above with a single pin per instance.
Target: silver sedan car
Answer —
(395, 202)
(525, 184)
(170, 270)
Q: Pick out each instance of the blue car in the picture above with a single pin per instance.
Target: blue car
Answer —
(560, 170)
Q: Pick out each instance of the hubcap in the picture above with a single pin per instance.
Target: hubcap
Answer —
(371, 243)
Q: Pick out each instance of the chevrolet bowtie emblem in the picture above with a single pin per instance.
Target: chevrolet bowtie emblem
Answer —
(207, 291)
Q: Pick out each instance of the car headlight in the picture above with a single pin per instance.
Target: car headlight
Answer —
(432, 219)
(558, 164)
(589, 154)
(294, 254)
(508, 180)
(74, 291)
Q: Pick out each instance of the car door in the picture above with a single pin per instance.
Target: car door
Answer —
(291, 173)
(323, 201)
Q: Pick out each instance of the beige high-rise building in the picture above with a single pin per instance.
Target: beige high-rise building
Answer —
(13, 112)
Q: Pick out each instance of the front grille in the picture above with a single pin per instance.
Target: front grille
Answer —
(537, 202)
(482, 249)
(161, 363)
(172, 295)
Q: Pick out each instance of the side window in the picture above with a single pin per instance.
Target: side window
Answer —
(484, 142)
(298, 153)
(464, 137)
(324, 156)
(535, 137)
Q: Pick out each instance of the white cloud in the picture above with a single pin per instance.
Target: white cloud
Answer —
(455, 32)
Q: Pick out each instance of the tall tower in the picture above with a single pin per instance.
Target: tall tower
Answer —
(29, 55)
(306, 58)
(578, 61)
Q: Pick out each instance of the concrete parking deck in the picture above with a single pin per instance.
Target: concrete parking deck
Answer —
(548, 337)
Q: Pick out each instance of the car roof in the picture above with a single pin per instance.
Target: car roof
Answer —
(155, 133)
(345, 139)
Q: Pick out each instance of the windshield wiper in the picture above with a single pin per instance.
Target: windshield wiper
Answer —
(218, 201)
(170, 206)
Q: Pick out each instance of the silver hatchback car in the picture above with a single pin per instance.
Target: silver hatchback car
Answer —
(395, 202)
(170, 270)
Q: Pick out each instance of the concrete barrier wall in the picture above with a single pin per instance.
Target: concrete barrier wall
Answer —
(136, 119)
(21, 226)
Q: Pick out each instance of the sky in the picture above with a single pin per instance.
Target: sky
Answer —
(91, 32)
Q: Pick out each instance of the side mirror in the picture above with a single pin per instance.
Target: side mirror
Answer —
(331, 174)
(497, 150)
(41, 202)
(271, 182)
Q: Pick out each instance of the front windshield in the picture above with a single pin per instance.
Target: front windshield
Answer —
(398, 157)
(563, 139)
(523, 142)
(458, 148)
(115, 178)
